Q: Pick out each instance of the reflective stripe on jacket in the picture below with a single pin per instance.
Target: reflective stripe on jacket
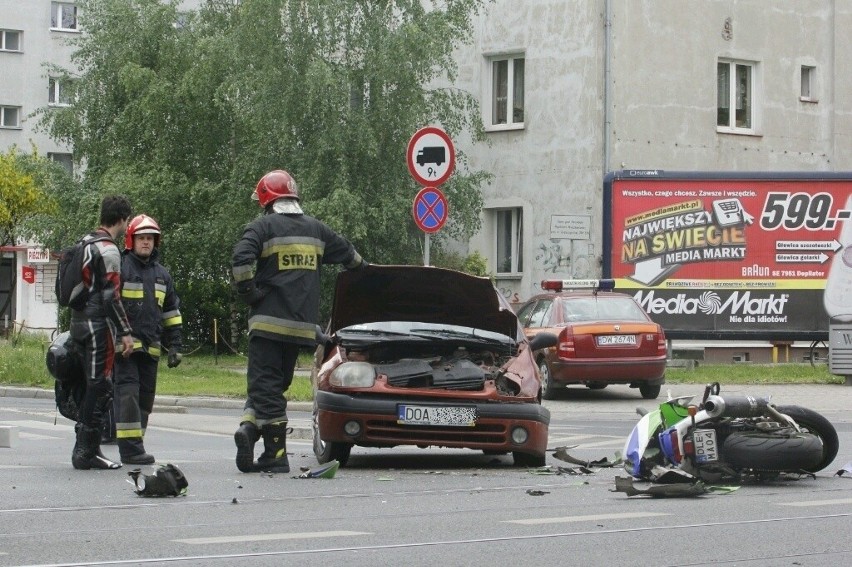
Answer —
(151, 302)
(281, 254)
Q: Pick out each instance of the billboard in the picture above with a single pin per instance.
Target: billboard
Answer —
(764, 256)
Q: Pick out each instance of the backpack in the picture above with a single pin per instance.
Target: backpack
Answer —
(69, 288)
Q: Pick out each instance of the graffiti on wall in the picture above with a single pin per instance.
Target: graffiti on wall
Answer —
(561, 257)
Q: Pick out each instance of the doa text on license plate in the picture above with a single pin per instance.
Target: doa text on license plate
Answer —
(706, 448)
(457, 416)
(606, 340)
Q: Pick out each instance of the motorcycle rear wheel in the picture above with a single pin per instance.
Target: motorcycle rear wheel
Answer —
(772, 452)
(814, 423)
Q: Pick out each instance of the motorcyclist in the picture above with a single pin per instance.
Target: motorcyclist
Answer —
(97, 328)
(153, 308)
(276, 270)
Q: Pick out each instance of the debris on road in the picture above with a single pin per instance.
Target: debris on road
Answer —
(168, 480)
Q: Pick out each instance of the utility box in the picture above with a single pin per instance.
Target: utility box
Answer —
(840, 349)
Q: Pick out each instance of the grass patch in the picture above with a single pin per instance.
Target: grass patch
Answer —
(22, 363)
(745, 373)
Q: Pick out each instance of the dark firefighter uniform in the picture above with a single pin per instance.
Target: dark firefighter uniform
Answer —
(276, 269)
(153, 307)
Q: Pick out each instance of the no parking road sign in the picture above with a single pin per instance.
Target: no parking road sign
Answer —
(430, 209)
(431, 156)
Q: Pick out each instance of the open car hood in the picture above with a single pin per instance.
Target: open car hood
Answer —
(420, 293)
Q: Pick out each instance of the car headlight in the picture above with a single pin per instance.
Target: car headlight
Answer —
(353, 375)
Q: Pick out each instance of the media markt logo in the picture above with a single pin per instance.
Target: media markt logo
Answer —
(739, 305)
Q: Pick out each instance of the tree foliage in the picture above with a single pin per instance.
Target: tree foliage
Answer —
(23, 198)
(184, 112)
(23, 178)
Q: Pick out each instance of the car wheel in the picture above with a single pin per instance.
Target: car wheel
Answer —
(326, 452)
(649, 392)
(527, 459)
(332, 451)
(548, 388)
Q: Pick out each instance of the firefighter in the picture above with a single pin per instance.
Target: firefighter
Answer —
(153, 307)
(276, 271)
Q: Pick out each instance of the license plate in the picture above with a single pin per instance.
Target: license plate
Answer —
(609, 340)
(706, 448)
(456, 416)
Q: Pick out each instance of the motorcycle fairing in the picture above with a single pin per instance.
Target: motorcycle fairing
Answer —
(636, 444)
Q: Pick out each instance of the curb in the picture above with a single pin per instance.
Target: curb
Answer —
(163, 403)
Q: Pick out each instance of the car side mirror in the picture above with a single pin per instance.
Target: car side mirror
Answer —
(543, 340)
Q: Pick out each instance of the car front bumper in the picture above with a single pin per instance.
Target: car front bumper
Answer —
(379, 426)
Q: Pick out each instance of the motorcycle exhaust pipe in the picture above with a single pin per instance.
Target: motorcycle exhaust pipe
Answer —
(735, 406)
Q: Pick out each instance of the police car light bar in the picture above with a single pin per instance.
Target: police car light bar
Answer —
(562, 285)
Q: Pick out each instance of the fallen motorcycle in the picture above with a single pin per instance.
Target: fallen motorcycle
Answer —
(728, 438)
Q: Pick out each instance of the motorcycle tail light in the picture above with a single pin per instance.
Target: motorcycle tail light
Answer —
(565, 346)
(689, 447)
(673, 437)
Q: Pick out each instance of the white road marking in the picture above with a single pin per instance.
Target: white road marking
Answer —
(588, 518)
(267, 537)
(817, 502)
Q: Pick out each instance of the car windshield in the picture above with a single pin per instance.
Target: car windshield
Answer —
(619, 308)
(429, 331)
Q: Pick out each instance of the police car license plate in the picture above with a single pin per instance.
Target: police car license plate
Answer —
(607, 340)
(706, 448)
(456, 416)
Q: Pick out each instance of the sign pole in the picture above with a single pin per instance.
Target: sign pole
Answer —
(426, 251)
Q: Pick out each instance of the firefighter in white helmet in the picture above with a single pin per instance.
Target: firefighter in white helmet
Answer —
(276, 270)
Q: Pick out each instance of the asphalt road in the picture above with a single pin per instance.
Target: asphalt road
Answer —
(406, 506)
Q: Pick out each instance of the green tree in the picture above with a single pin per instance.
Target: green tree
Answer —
(183, 112)
(23, 178)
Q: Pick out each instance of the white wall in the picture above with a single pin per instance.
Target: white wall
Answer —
(662, 106)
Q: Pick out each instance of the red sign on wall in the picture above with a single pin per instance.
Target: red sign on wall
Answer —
(28, 274)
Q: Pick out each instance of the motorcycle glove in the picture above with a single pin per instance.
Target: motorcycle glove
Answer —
(167, 481)
(174, 358)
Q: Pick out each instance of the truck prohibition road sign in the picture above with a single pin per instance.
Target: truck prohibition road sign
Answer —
(431, 156)
(430, 209)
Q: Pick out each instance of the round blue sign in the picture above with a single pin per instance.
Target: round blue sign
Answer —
(430, 209)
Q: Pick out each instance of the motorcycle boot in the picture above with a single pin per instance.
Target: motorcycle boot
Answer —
(245, 438)
(87, 450)
(274, 456)
(133, 452)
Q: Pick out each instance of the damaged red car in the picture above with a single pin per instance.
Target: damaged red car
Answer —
(427, 356)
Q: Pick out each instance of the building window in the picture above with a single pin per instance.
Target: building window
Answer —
(736, 97)
(65, 160)
(510, 244)
(63, 16)
(60, 92)
(10, 116)
(506, 99)
(808, 89)
(10, 40)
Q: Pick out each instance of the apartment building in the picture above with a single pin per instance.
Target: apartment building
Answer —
(33, 35)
